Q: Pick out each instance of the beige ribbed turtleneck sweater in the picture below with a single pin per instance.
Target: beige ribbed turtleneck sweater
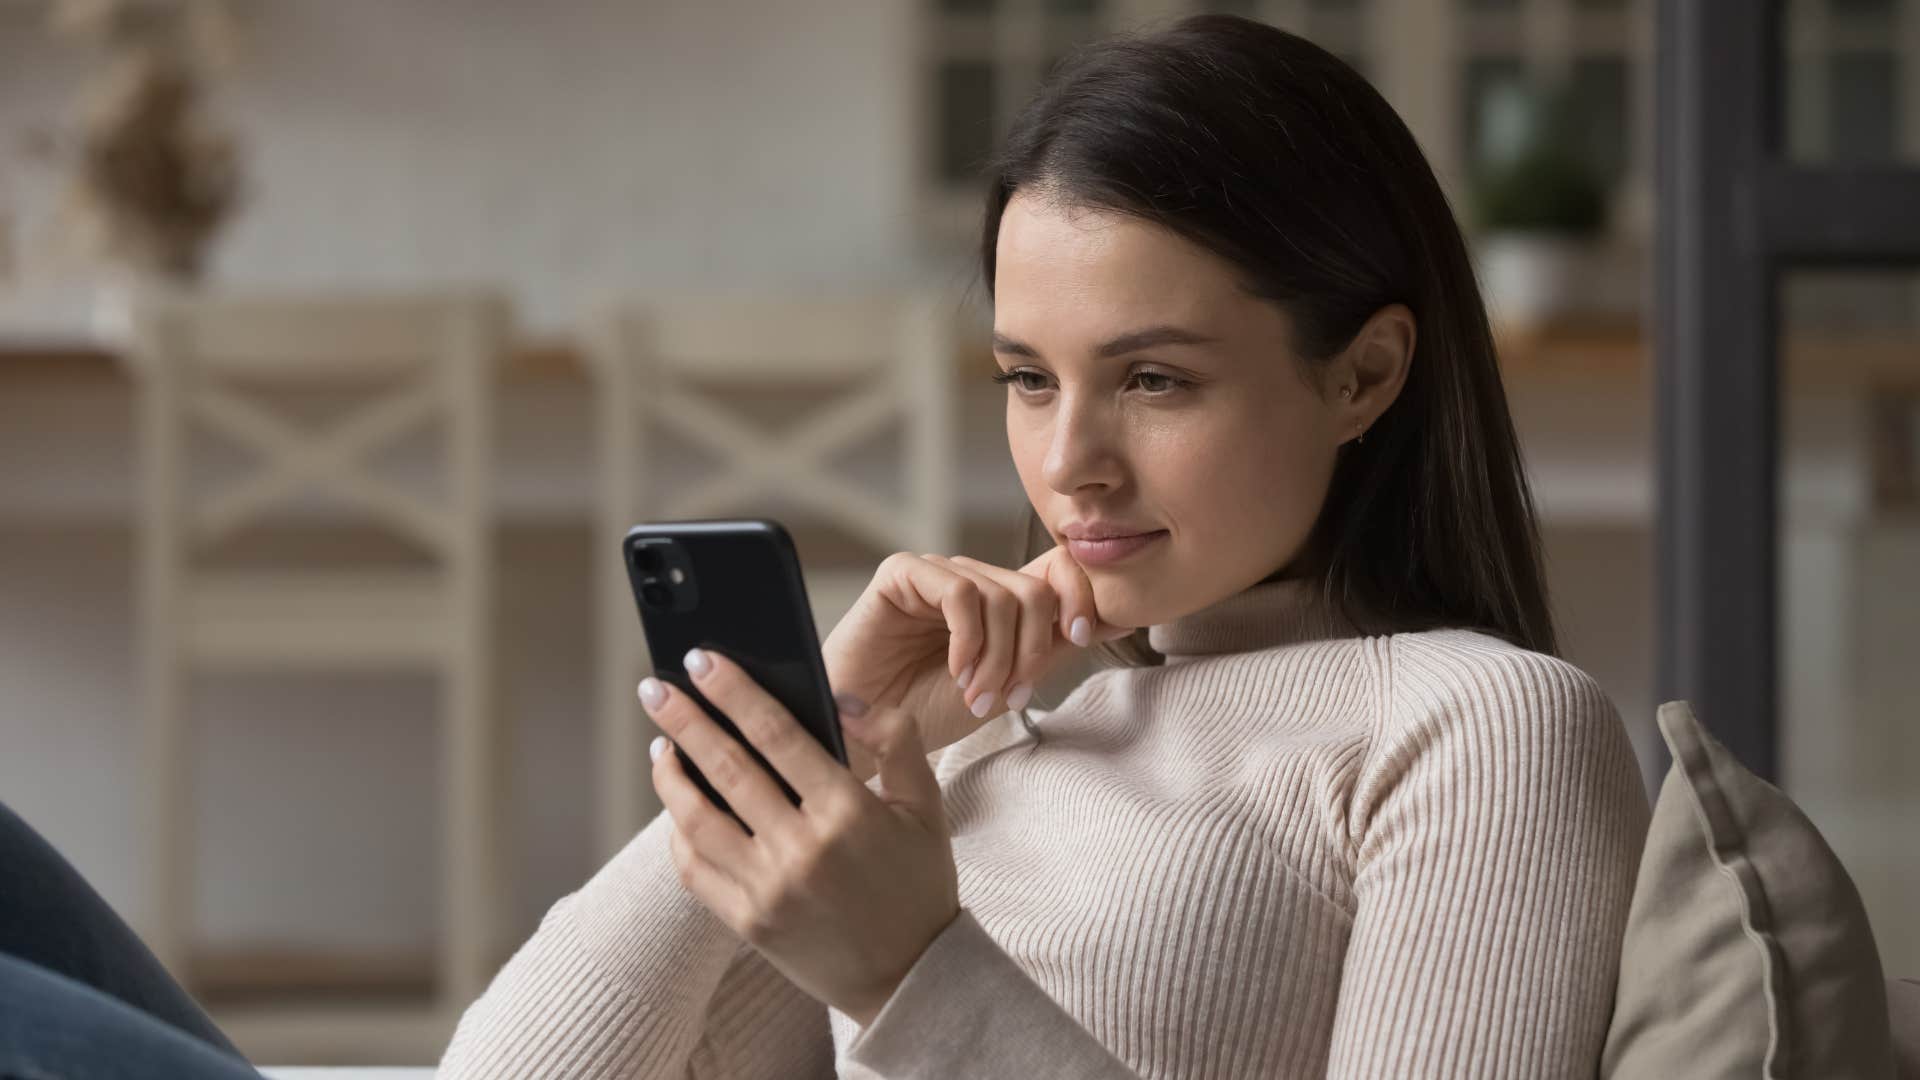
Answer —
(1288, 852)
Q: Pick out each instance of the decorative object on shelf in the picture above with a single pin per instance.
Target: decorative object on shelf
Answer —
(1541, 209)
(149, 181)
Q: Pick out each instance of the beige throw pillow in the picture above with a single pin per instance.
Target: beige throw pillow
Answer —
(1747, 950)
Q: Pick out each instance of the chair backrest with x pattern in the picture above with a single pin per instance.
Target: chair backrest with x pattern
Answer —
(890, 357)
(419, 359)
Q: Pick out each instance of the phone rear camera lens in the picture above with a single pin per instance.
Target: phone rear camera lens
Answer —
(656, 595)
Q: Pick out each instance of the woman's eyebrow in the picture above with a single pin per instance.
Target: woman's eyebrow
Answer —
(1131, 341)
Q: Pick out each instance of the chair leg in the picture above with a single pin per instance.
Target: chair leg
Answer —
(625, 799)
(165, 776)
(168, 820)
(470, 879)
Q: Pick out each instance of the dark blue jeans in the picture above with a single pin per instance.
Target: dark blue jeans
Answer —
(81, 998)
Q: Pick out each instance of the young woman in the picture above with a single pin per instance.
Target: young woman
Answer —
(1336, 809)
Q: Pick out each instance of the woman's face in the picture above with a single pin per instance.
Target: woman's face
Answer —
(1154, 395)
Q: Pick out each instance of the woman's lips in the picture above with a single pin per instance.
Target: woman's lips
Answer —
(1112, 549)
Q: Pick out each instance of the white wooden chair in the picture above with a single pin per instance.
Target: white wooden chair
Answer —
(233, 367)
(668, 367)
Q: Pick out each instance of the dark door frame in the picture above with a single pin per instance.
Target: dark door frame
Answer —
(1732, 215)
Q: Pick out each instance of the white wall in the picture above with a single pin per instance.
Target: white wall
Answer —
(568, 148)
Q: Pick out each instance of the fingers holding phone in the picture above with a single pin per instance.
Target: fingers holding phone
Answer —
(768, 735)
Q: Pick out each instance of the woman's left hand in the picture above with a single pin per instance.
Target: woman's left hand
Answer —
(842, 893)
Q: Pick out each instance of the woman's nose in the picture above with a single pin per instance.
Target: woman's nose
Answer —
(1081, 451)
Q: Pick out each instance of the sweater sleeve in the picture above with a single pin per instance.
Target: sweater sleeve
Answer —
(967, 1011)
(1496, 826)
(632, 977)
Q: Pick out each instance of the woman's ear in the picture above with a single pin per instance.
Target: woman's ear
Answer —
(1371, 370)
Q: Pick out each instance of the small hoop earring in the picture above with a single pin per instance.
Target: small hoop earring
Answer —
(1346, 393)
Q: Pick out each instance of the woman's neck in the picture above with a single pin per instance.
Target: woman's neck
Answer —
(1276, 611)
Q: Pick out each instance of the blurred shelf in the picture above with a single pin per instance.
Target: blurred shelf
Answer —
(228, 974)
(339, 1034)
(327, 1006)
(1612, 350)
(1607, 349)
(1616, 350)
(44, 359)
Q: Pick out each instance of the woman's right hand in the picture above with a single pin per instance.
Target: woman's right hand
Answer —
(954, 640)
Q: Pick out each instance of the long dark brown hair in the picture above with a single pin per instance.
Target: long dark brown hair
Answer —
(1274, 154)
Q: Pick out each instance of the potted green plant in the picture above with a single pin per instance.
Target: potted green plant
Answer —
(1541, 208)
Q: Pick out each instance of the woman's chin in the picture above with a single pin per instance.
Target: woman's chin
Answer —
(1123, 603)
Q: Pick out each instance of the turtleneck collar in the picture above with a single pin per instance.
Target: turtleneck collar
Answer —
(1262, 616)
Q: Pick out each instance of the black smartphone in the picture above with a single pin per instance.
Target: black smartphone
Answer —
(733, 587)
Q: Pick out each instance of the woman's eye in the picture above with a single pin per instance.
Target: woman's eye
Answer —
(1151, 383)
(1020, 378)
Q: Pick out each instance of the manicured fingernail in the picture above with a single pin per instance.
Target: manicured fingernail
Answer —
(697, 662)
(1018, 697)
(966, 676)
(653, 693)
(1081, 632)
(850, 705)
(983, 703)
(655, 748)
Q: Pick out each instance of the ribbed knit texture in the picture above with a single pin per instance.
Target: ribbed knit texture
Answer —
(1290, 851)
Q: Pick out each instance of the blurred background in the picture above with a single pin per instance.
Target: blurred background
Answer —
(339, 340)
